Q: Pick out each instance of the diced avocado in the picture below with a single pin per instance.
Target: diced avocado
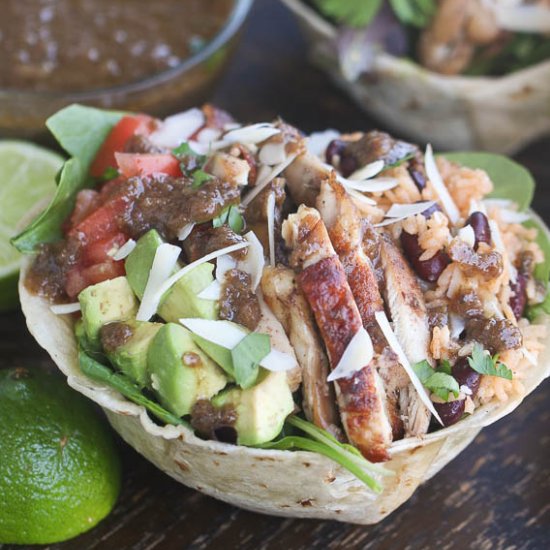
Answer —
(181, 300)
(181, 373)
(261, 410)
(126, 344)
(138, 263)
(105, 302)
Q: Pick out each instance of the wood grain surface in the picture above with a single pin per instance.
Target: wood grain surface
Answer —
(495, 495)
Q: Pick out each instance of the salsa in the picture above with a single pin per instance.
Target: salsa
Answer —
(75, 45)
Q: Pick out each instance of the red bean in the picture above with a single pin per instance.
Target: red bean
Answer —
(451, 412)
(480, 225)
(466, 375)
(334, 149)
(429, 270)
(519, 300)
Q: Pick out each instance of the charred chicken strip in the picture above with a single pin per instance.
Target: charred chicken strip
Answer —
(304, 177)
(346, 231)
(323, 281)
(407, 308)
(291, 308)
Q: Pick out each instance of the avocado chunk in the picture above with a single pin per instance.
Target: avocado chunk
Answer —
(105, 302)
(181, 374)
(126, 345)
(181, 300)
(138, 263)
(261, 410)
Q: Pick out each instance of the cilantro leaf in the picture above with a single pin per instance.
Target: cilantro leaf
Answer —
(417, 13)
(438, 381)
(110, 173)
(247, 355)
(355, 13)
(482, 362)
(199, 178)
(189, 159)
(232, 217)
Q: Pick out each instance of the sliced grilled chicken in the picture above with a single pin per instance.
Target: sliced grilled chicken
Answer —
(323, 281)
(291, 308)
(407, 308)
(304, 177)
(346, 231)
(269, 324)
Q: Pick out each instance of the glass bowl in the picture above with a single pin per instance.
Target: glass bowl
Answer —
(23, 113)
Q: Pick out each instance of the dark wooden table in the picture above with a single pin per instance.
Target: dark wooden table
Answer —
(496, 495)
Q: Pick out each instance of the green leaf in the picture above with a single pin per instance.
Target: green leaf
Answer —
(511, 180)
(232, 217)
(542, 270)
(81, 130)
(247, 355)
(417, 13)
(109, 174)
(47, 226)
(438, 381)
(200, 177)
(445, 366)
(482, 362)
(190, 159)
(355, 13)
(95, 370)
(532, 312)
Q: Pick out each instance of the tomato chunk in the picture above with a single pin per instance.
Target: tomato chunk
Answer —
(126, 127)
(98, 251)
(101, 223)
(130, 164)
(102, 272)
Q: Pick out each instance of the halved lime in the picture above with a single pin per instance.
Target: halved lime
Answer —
(27, 175)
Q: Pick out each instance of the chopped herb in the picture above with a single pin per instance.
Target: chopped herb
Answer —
(190, 160)
(247, 355)
(110, 173)
(95, 370)
(398, 162)
(417, 13)
(355, 13)
(324, 443)
(482, 362)
(199, 178)
(438, 381)
(232, 217)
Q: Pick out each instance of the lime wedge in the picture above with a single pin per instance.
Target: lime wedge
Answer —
(27, 175)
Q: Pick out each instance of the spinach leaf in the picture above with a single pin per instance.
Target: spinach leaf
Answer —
(81, 130)
(47, 226)
(355, 13)
(511, 180)
(96, 371)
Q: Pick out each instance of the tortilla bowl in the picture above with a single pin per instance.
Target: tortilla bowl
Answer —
(281, 483)
(499, 114)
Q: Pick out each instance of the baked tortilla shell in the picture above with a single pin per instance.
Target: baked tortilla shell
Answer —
(282, 483)
(499, 114)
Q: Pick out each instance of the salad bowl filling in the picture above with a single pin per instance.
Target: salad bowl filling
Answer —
(256, 290)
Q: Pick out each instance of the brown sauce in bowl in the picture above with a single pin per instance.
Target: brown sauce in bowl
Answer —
(75, 45)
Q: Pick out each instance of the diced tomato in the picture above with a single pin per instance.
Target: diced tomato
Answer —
(130, 164)
(87, 201)
(74, 283)
(100, 223)
(126, 127)
(98, 251)
(103, 271)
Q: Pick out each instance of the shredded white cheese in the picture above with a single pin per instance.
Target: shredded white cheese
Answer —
(358, 355)
(264, 179)
(376, 185)
(271, 227)
(317, 142)
(255, 133)
(185, 231)
(398, 212)
(254, 261)
(178, 128)
(63, 309)
(124, 250)
(467, 235)
(368, 171)
(439, 186)
(277, 361)
(212, 292)
(224, 264)
(386, 329)
(272, 153)
(164, 262)
(222, 333)
(360, 198)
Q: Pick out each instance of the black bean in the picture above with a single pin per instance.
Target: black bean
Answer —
(429, 270)
(451, 412)
(519, 299)
(466, 375)
(334, 149)
(480, 225)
